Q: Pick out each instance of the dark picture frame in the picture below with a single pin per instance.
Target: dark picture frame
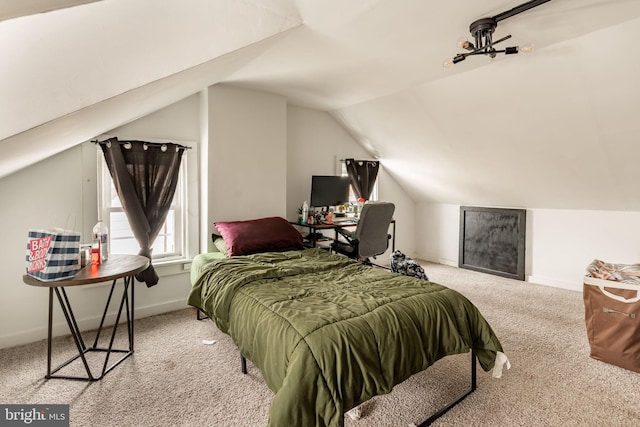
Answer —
(492, 240)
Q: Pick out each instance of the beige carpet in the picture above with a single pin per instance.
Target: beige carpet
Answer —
(173, 379)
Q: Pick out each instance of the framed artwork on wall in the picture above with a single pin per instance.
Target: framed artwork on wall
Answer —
(492, 240)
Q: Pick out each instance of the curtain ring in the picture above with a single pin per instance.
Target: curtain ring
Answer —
(163, 147)
(108, 144)
(127, 145)
(145, 146)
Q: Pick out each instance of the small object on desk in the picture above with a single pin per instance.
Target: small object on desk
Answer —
(100, 236)
(95, 253)
(329, 219)
(85, 255)
(305, 212)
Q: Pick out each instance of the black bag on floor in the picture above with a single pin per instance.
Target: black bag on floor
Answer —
(402, 264)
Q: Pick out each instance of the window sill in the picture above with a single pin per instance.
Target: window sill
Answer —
(172, 267)
(163, 268)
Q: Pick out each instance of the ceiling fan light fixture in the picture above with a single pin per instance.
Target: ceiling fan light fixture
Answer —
(482, 31)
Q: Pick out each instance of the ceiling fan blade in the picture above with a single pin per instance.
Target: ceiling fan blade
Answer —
(519, 9)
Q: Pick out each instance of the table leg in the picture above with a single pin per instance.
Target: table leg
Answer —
(125, 301)
(132, 283)
(77, 336)
(49, 332)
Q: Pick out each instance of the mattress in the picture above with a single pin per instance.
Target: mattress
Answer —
(201, 261)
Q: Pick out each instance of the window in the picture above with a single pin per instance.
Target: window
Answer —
(352, 195)
(170, 242)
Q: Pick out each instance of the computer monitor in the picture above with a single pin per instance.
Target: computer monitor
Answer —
(329, 190)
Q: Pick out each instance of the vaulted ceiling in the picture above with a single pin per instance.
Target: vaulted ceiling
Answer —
(553, 129)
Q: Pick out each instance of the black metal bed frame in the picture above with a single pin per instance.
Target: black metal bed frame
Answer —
(460, 398)
(428, 421)
(436, 415)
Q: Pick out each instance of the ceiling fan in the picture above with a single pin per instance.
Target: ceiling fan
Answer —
(482, 31)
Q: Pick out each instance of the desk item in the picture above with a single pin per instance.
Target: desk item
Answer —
(100, 243)
(85, 255)
(329, 219)
(305, 212)
(116, 267)
(329, 191)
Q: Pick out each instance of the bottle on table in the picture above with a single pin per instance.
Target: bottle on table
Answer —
(305, 212)
(100, 243)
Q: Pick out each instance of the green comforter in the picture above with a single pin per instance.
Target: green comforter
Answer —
(328, 333)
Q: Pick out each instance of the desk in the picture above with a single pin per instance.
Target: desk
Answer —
(313, 228)
(116, 267)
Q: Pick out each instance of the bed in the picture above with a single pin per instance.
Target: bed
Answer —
(328, 333)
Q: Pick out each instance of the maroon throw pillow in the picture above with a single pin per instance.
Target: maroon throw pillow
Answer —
(259, 235)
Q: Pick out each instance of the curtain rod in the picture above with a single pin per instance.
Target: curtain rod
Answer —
(153, 144)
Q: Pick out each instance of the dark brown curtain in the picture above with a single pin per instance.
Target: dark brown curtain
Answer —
(363, 174)
(145, 176)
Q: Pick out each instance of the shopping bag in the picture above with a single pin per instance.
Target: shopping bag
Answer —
(53, 254)
(612, 313)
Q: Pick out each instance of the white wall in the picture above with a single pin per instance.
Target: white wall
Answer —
(247, 154)
(42, 196)
(437, 232)
(560, 243)
(564, 242)
(315, 144)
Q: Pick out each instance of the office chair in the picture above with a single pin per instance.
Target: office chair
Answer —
(371, 237)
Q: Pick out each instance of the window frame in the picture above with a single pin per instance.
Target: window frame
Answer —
(181, 205)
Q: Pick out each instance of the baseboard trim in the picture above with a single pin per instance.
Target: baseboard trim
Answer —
(60, 327)
(540, 280)
(555, 283)
(436, 260)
